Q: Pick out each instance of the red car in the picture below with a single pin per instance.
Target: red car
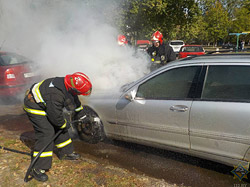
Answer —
(143, 44)
(191, 50)
(16, 74)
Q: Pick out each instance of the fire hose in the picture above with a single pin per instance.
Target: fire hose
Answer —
(38, 155)
(15, 151)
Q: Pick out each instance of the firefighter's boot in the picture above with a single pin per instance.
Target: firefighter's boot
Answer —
(39, 174)
(71, 156)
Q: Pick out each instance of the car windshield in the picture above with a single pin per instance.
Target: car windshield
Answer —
(176, 43)
(192, 49)
(12, 59)
(142, 45)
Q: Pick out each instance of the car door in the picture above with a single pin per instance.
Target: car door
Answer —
(219, 121)
(159, 112)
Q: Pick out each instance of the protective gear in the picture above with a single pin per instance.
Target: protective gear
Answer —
(78, 83)
(72, 156)
(65, 127)
(46, 114)
(162, 58)
(160, 55)
(157, 36)
(122, 40)
(39, 174)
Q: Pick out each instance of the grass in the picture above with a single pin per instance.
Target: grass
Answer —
(85, 172)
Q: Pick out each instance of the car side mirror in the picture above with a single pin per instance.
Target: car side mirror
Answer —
(130, 95)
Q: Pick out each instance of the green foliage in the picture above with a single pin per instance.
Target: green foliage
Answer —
(194, 21)
(247, 5)
(147, 16)
(241, 23)
(217, 22)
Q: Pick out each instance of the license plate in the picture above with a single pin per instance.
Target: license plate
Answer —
(27, 75)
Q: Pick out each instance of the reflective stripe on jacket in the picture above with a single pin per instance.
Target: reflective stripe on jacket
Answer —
(79, 109)
(37, 94)
(34, 111)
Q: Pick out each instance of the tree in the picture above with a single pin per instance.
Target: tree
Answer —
(195, 32)
(147, 16)
(217, 22)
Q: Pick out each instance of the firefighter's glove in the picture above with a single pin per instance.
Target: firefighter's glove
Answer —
(163, 60)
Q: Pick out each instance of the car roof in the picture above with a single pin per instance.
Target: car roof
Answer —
(176, 40)
(143, 42)
(207, 58)
(216, 58)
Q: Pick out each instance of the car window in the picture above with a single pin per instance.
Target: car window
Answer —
(178, 83)
(230, 83)
(176, 43)
(192, 49)
(12, 59)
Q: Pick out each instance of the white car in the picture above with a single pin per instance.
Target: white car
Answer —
(176, 45)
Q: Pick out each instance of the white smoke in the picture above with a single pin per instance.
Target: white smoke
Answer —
(65, 36)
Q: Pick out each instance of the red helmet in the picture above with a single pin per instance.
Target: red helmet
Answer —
(78, 83)
(157, 36)
(122, 40)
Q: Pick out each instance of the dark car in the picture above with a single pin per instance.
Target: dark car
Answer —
(228, 46)
(16, 74)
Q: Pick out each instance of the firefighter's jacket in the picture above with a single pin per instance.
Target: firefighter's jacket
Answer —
(163, 54)
(51, 95)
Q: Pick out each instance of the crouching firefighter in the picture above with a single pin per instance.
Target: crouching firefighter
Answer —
(44, 104)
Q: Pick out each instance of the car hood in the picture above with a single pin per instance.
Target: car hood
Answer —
(100, 96)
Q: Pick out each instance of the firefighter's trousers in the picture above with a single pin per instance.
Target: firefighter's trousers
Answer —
(44, 131)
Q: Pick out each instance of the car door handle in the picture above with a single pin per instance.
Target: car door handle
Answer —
(179, 108)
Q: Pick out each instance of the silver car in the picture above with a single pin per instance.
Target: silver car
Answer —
(198, 106)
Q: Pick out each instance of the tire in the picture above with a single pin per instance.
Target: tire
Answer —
(92, 130)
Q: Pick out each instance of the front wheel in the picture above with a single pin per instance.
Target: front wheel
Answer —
(92, 130)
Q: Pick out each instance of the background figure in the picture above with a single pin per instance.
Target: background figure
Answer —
(122, 40)
(242, 45)
(160, 53)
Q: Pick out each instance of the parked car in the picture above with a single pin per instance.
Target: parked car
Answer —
(16, 74)
(142, 45)
(176, 45)
(228, 46)
(191, 50)
(198, 106)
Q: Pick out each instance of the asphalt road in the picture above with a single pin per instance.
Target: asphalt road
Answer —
(172, 167)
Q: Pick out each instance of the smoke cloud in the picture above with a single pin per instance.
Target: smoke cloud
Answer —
(67, 36)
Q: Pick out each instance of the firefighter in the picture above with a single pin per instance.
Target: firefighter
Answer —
(160, 53)
(122, 40)
(44, 104)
